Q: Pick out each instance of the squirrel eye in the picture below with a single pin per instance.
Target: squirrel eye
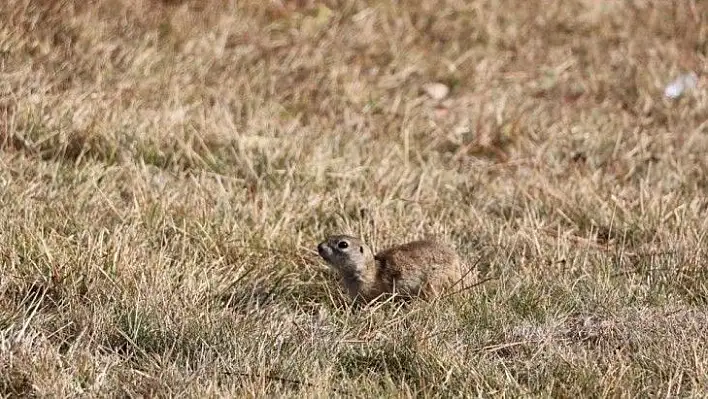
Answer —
(361, 249)
(342, 244)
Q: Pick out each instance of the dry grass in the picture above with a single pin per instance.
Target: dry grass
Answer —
(166, 169)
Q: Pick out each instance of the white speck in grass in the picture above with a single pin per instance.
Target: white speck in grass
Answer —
(436, 91)
(680, 85)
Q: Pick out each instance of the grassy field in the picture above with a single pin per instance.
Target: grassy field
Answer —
(168, 167)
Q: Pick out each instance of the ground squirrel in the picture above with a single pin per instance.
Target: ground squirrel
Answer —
(419, 268)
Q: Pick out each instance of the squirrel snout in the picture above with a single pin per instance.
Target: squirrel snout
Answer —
(323, 249)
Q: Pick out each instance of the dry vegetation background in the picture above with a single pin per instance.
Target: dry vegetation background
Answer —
(167, 168)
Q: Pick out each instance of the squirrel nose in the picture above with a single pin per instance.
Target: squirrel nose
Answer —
(321, 248)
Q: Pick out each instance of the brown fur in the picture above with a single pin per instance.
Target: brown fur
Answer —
(416, 269)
